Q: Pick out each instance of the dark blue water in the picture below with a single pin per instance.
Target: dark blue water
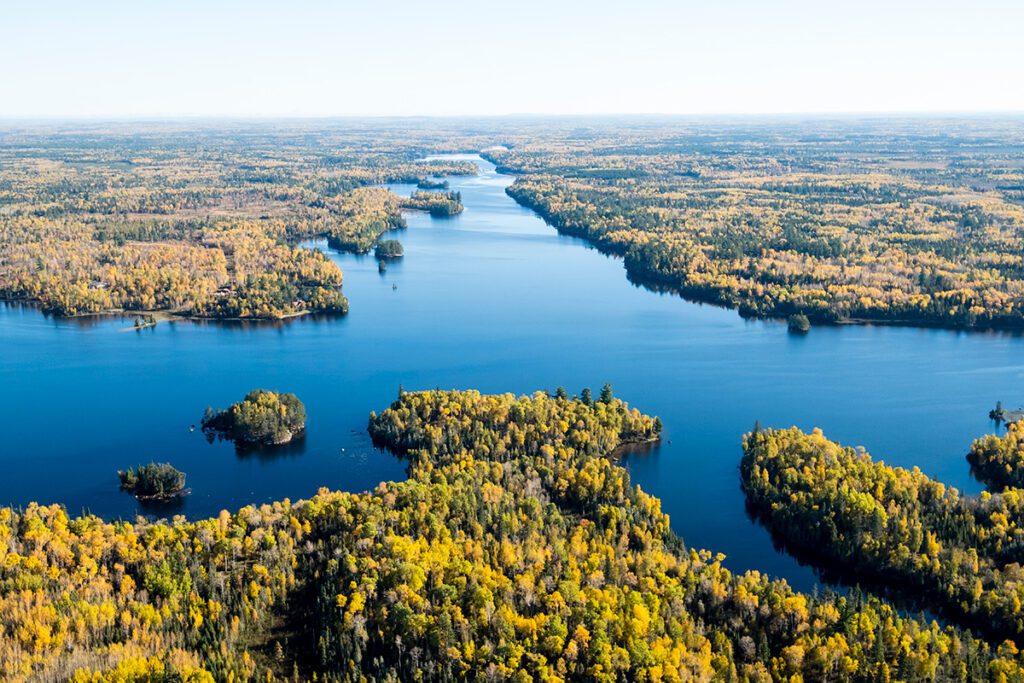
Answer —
(495, 300)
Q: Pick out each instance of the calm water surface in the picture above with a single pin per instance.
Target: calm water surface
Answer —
(495, 300)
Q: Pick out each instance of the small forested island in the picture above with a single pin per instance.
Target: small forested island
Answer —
(438, 204)
(153, 482)
(432, 184)
(516, 549)
(262, 418)
(898, 530)
(799, 323)
(388, 249)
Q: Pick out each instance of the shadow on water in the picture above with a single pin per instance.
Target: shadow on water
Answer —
(645, 449)
(295, 447)
(268, 324)
(292, 449)
(84, 322)
(162, 508)
(661, 286)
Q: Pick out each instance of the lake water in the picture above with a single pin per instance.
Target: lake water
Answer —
(496, 300)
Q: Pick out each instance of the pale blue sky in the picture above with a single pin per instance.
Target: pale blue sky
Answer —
(318, 58)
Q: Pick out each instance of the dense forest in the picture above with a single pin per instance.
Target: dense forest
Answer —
(517, 549)
(203, 223)
(895, 528)
(899, 221)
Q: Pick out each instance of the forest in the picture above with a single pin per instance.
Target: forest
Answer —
(205, 224)
(897, 529)
(901, 221)
(999, 460)
(891, 221)
(516, 549)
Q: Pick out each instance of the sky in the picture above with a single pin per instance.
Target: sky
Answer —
(314, 58)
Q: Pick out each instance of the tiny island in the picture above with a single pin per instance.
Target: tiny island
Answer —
(432, 184)
(798, 323)
(262, 418)
(388, 249)
(154, 482)
(437, 204)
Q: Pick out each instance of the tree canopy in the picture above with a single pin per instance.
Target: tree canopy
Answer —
(896, 529)
(517, 549)
(916, 222)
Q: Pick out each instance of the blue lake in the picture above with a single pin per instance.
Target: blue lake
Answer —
(495, 300)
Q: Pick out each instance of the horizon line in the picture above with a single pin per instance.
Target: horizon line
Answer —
(880, 113)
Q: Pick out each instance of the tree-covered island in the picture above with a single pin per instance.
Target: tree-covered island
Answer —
(432, 184)
(262, 418)
(437, 204)
(388, 249)
(155, 481)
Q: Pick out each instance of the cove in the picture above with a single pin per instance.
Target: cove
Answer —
(493, 299)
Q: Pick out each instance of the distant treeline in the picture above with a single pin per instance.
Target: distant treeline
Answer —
(883, 222)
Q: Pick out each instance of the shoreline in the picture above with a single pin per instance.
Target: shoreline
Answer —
(162, 497)
(662, 285)
(160, 315)
(631, 447)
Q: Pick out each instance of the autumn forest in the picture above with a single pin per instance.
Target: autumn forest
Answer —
(511, 541)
